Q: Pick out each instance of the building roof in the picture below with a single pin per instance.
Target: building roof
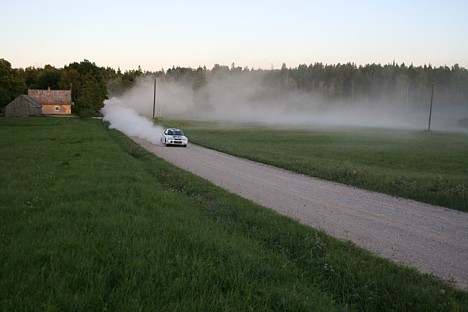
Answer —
(31, 101)
(50, 96)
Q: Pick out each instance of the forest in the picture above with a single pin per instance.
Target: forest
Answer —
(341, 85)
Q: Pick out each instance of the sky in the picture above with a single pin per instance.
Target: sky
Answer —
(158, 34)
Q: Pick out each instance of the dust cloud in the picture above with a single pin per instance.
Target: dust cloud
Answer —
(131, 113)
(129, 122)
(251, 97)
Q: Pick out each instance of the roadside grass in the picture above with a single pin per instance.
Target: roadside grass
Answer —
(430, 167)
(91, 221)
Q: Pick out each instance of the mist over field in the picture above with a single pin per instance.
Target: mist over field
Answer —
(255, 97)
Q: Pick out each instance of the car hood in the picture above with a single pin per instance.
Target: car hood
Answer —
(177, 137)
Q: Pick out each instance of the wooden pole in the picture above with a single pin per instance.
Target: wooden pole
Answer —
(430, 109)
(154, 98)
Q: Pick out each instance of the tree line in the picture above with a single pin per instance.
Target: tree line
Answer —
(335, 84)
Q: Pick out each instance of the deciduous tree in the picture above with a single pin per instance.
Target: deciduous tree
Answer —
(11, 84)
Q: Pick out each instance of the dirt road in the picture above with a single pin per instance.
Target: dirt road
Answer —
(432, 239)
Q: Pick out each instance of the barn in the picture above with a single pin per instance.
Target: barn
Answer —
(53, 102)
(23, 106)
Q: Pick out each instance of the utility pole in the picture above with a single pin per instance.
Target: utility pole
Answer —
(154, 98)
(430, 109)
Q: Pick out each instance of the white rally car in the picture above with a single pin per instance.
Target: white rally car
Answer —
(174, 136)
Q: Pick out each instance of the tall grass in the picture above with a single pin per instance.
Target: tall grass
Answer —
(431, 167)
(90, 221)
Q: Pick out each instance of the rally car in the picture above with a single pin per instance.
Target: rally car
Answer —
(174, 136)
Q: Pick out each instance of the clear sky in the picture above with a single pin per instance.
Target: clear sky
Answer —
(255, 33)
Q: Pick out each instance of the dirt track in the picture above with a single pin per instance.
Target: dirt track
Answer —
(432, 239)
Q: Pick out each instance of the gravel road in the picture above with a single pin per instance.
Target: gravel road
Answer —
(431, 239)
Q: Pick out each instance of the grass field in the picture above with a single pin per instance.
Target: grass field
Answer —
(430, 167)
(90, 221)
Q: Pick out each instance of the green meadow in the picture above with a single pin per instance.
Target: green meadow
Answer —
(89, 221)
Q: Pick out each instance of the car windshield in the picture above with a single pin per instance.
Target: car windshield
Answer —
(175, 132)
